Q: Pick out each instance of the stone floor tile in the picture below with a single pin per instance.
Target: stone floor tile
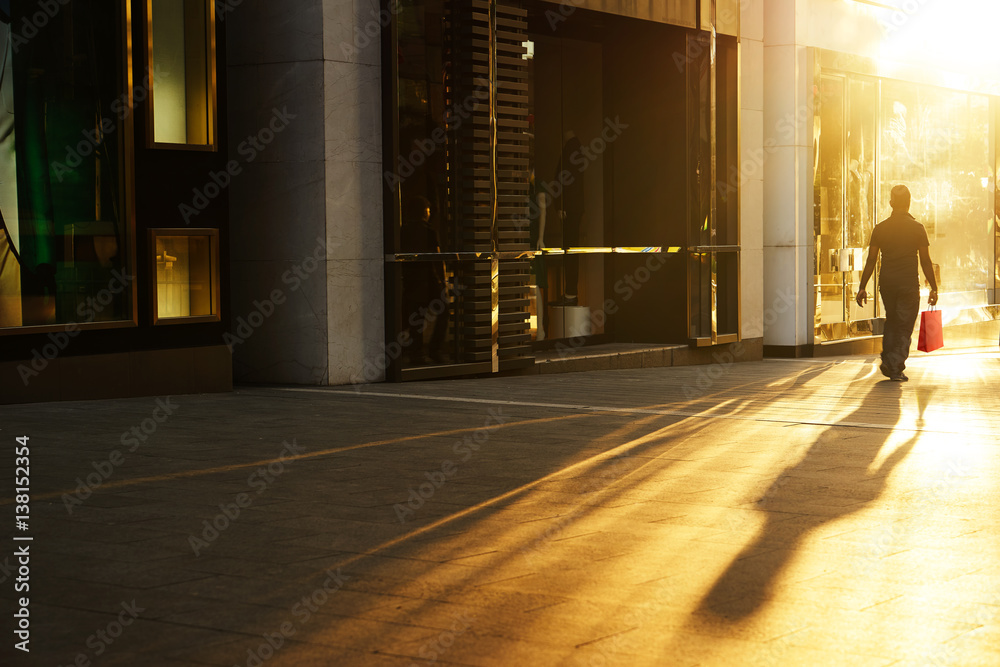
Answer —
(797, 514)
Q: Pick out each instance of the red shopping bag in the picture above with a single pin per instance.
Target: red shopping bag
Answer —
(931, 335)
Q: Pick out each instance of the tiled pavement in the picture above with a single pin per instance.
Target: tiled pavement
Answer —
(767, 513)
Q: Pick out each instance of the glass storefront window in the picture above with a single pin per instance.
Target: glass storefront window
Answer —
(862, 139)
(937, 144)
(423, 119)
(566, 118)
(431, 298)
(829, 213)
(994, 295)
(182, 65)
(187, 275)
(64, 135)
(545, 195)
(874, 134)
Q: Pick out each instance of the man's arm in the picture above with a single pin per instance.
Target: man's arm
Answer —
(862, 297)
(928, 267)
(543, 204)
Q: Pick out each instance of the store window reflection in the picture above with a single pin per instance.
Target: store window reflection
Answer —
(829, 220)
(427, 288)
(567, 158)
(65, 236)
(182, 60)
(871, 135)
(425, 222)
(862, 140)
(937, 144)
(422, 116)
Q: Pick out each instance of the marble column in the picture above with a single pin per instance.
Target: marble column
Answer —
(306, 208)
(353, 173)
(278, 221)
(752, 168)
(787, 186)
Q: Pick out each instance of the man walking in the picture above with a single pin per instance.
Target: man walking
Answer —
(901, 239)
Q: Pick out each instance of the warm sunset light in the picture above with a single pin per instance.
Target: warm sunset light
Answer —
(954, 36)
(489, 333)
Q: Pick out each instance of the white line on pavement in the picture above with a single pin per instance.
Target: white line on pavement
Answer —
(702, 414)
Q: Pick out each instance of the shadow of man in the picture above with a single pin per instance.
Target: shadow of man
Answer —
(821, 487)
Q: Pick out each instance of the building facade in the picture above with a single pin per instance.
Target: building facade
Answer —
(113, 253)
(504, 178)
(495, 179)
(330, 192)
(859, 97)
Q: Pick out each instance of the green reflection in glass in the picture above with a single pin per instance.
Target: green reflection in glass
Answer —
(62, 249)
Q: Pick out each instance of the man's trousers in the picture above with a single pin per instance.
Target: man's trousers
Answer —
(901, 307)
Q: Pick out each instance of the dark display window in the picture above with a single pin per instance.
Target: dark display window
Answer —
(64, 139)
(539, 182)
(181, 48)
(872, 134)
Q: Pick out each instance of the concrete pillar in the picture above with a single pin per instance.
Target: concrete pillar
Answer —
(752, 168)
(278, 201)
(788, 191)
(306, 208)
(353, 154)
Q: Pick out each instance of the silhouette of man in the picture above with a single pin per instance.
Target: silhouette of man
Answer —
(424, 288)
(900, 239)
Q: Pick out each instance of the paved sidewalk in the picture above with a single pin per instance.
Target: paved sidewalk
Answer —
(768, 513)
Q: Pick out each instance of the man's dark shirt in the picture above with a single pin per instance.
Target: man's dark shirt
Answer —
(900, 238)
(572, 194)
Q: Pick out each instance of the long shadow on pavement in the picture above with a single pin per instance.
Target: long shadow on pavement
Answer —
(818, 489)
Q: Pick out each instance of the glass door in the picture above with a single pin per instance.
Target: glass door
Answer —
(456, 189)
(845, 185)
(569, 138)
(829, 210)
(860, 213)
(713, 236)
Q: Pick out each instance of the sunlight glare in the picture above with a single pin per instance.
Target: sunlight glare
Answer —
(951, 36)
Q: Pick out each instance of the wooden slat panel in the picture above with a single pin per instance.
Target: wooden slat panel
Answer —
(489, 183)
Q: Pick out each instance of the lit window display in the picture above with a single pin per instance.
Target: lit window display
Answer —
(566, 104)
(64, 128)
(548, 202)
(871, 135)
(937, 144)
(182, 65)
(187, 284)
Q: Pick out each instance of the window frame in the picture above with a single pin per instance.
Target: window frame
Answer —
(211, 79)
(127, 175)
(214, 273)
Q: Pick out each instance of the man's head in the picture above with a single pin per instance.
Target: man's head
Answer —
(418, 209)
(899, 198)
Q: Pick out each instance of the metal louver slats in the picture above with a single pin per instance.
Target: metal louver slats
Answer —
(486, 84)
(512, 233)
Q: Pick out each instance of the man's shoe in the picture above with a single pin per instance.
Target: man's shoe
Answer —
(885, 370)
(899, 378)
